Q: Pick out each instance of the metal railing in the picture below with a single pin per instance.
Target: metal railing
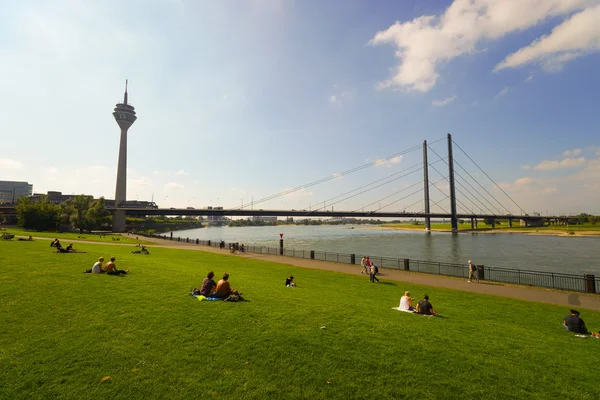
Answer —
(579, 283)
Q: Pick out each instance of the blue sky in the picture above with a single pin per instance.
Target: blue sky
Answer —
(238, 100)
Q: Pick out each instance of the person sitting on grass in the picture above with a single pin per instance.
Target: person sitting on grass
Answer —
(111, 269)
(223, 288)
(55, 243)
(289, 282)
(97, 268)
(208, 285)
(573, 323)
(406, 302)
(424, 307)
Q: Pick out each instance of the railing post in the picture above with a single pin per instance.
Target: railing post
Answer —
(352, 259)
(481, 272)
(553, 286)
(590, 283)
(312, 254)
(209, 243)
(406, 264)
(197, 241)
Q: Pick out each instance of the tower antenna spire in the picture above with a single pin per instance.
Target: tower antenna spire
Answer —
(125, 99)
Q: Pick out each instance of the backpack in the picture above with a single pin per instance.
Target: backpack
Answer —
(376, 269)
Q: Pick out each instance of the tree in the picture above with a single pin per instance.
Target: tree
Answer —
(84, 213)
(40, 216)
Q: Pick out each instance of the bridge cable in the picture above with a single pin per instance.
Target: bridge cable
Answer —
(457, 145)
(478, 193)
(465, 208)
(322, 180)
(374, 187)
(480, 196)
(501, 205)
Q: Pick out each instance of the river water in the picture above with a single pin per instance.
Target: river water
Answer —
(570, 255)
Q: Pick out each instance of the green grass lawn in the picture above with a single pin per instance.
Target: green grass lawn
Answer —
(62, 332)
(93, 237)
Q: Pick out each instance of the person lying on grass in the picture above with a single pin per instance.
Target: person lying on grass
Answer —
(29, 239)
(111, 269)
(406, 302)
(97, 268)
(224, 289)
(574, 323)
(68, 249)
(55, 243)
(208, 285)
(424, 307)
(289, 282)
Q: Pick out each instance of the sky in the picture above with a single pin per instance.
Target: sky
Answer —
(239, 100)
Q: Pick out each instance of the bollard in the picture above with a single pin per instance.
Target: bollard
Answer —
(406, 264)
(187, 240)
(209, 243)
(281, 247)
(352, 259)
(178, 239)
(481, 272)
(312, 254)
(197, 241)
(590, 283)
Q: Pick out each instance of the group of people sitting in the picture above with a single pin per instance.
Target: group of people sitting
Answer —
(574, 323)
(423, 307)
(60, 249)
(109, 268)
(216, 290)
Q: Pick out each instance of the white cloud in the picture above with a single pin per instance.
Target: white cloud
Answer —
(517, 184)
(575, 37)
(426, 42)
(7, 163)
(332, 99)
(549, 165)
(143, 181)
(529, 78)
(181, 172)
(526, 166)
(382, 162)
(502, 92)
(341, 96)
(155, 172)
(338, 175)
(550, 189)
(396, 159)
(572, 153)
(173, 185)
(447, 100)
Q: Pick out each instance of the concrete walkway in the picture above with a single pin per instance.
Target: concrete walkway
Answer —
(550, 296)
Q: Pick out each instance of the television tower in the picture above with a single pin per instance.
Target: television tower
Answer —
(125, 116)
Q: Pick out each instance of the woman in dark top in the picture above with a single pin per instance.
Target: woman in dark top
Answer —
(290, 281)
(208, 285)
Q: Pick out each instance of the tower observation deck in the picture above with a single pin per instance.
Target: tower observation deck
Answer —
(124, 114)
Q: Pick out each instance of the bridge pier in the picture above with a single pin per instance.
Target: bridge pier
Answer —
(510, 222)
(472, 223)
(118, 221)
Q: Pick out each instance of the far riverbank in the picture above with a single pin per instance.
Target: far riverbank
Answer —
(525, 231)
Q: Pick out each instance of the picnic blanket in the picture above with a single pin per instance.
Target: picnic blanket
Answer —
(399, 309)
(202, 298)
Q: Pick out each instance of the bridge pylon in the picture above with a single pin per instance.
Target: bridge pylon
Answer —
(426, 188)
(453, 218)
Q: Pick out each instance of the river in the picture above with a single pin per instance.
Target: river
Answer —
(570, 255)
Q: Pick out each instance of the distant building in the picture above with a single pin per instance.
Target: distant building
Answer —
(53, 197)
(11, 191)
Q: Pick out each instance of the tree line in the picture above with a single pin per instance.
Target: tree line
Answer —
(83, 212)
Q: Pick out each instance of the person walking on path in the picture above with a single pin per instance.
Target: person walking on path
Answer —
(472, 269)
(372, 276)
(363, 265)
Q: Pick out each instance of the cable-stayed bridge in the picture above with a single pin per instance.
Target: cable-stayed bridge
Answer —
(472, 195)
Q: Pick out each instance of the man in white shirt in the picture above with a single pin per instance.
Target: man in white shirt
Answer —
(97, 268)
